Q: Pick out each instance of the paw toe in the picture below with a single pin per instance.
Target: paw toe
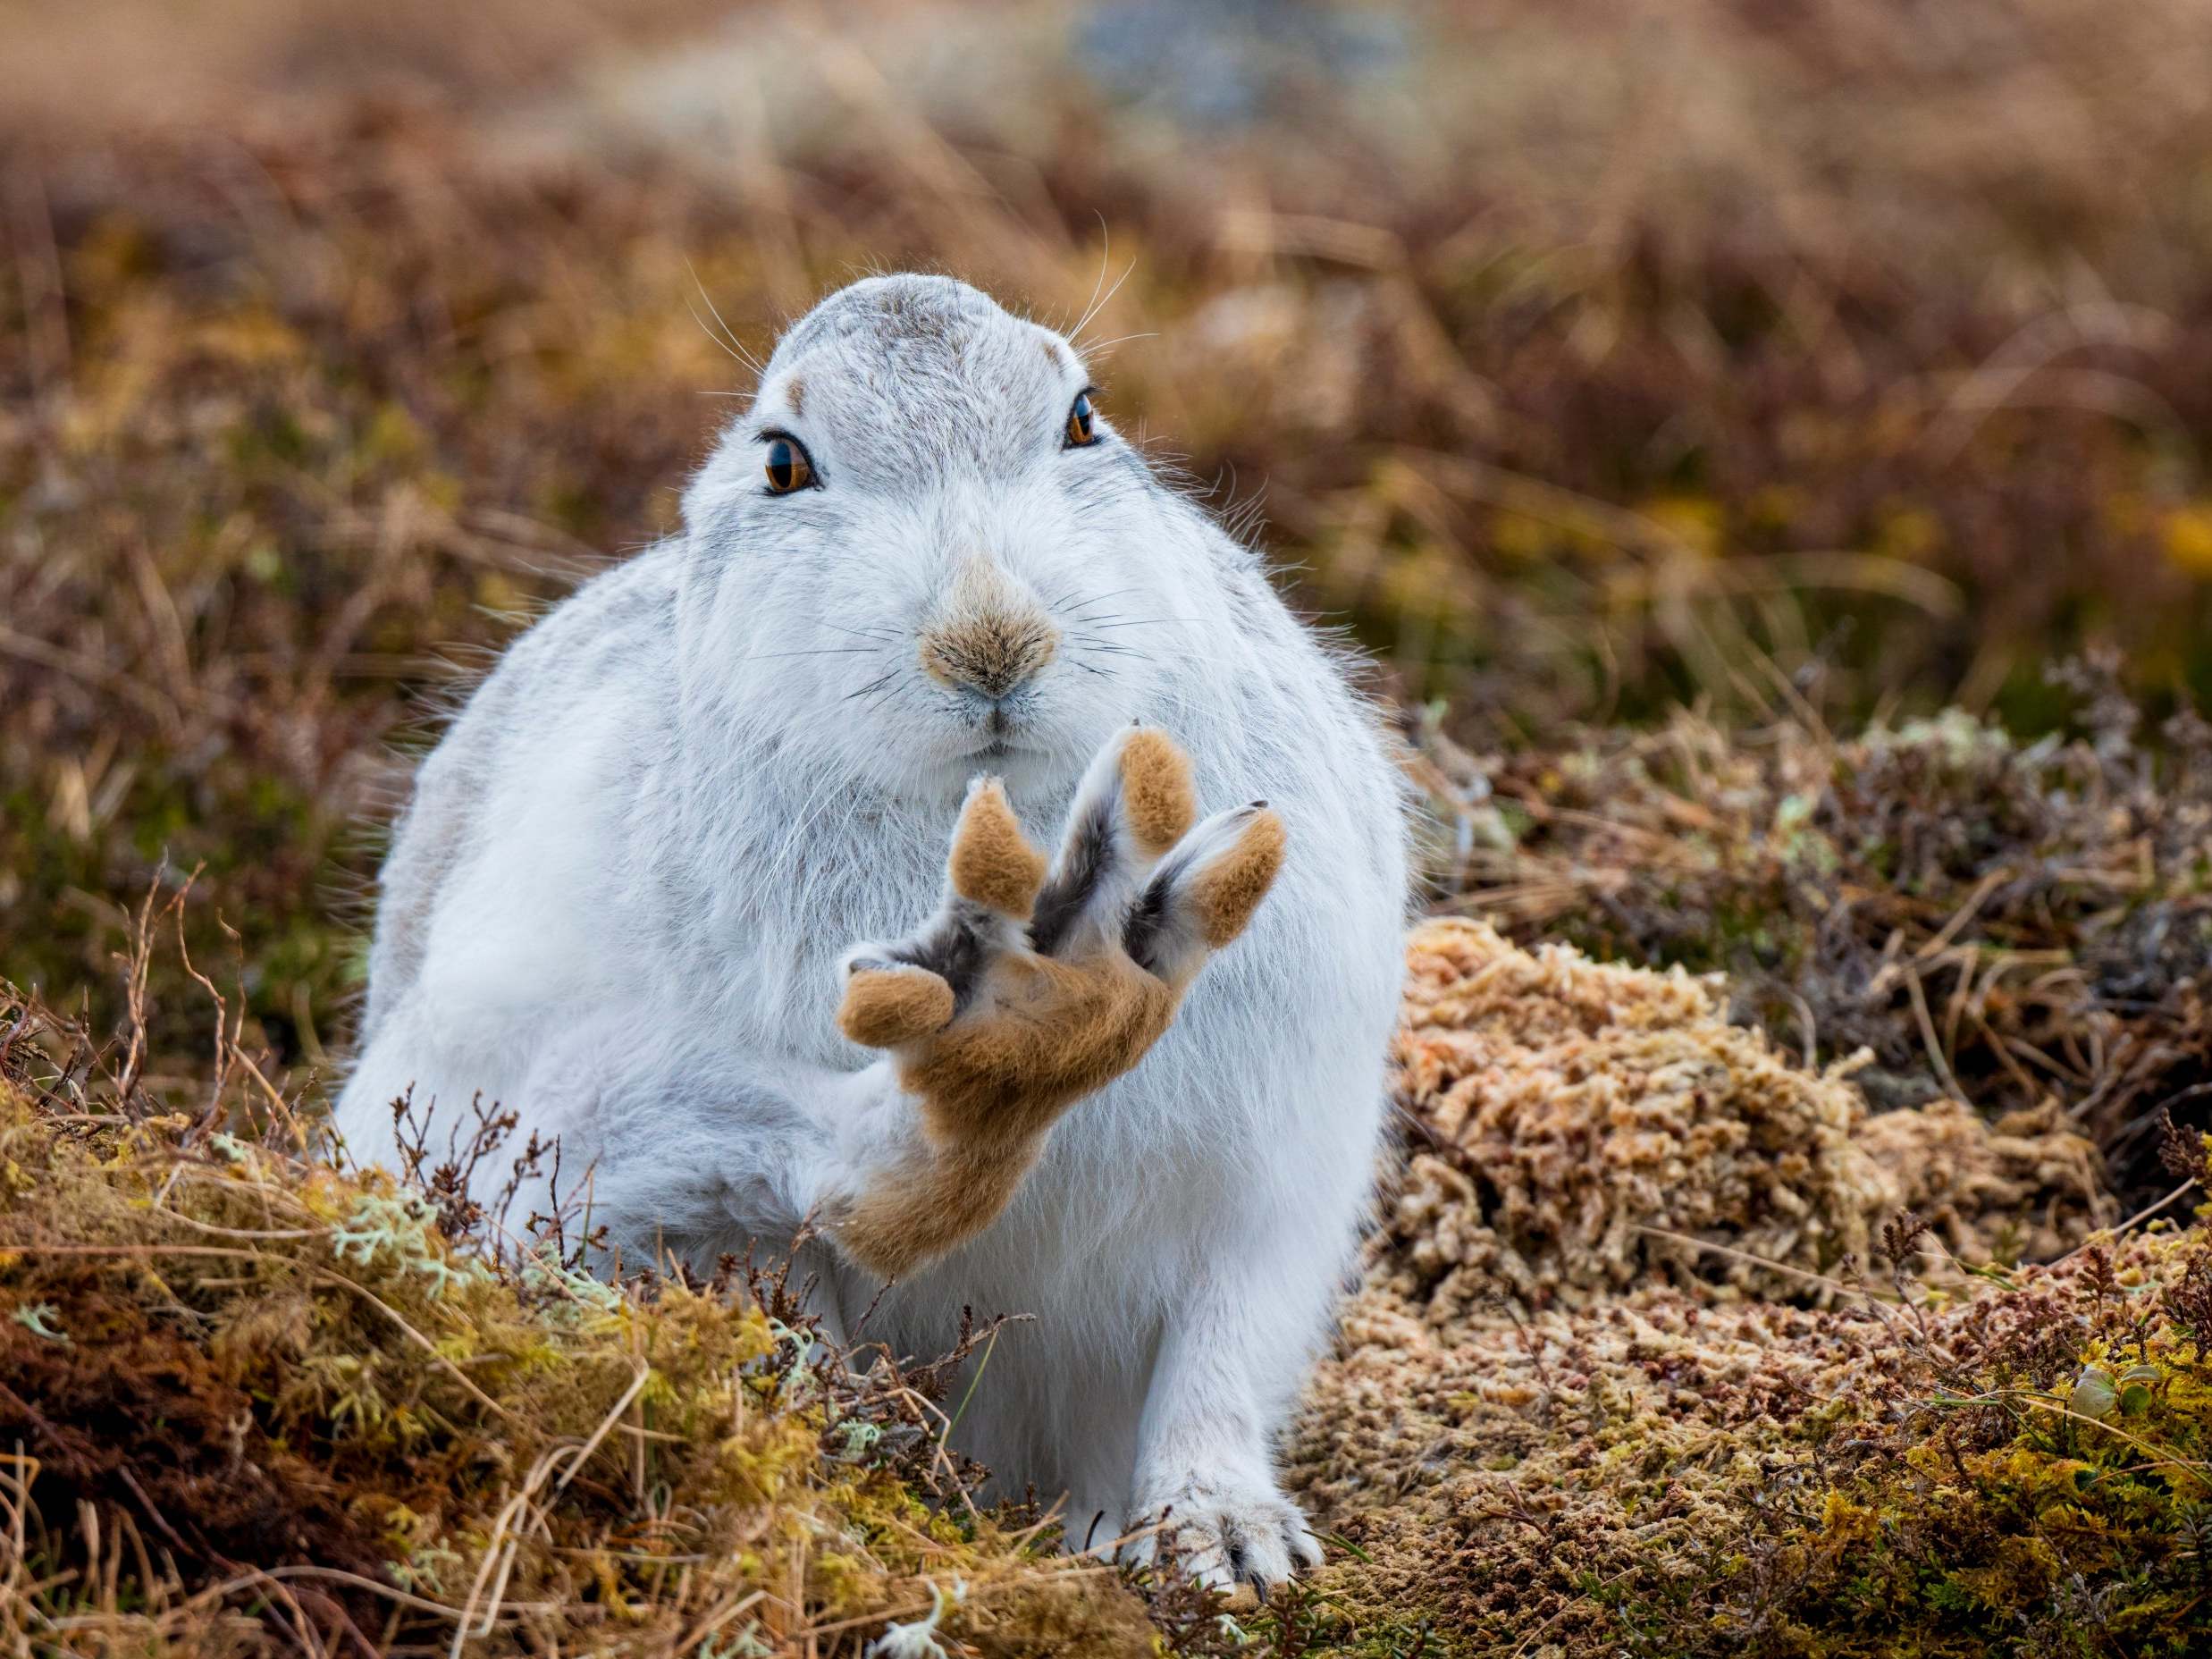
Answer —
(1257, 1556)
(992, 861)
(1157, 794)
(1205, 891)
(1228, 888)
(887, 1005)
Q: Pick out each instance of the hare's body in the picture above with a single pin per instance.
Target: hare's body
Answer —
(621, 898)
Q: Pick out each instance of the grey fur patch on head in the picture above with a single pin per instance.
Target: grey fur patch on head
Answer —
(890, 310)
(923, 373)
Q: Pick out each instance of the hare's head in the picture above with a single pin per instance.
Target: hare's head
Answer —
(927, 553)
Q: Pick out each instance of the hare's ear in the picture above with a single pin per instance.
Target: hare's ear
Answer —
(1205, 891)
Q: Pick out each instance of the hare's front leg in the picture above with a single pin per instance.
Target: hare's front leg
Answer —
(1230, 1364)
(1033, 987)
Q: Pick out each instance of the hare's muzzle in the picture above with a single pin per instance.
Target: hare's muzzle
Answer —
(987, 633)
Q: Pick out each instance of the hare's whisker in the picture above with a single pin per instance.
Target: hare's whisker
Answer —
(734, 346)
(1104, 346)
(1097, 306)
(1110, 647)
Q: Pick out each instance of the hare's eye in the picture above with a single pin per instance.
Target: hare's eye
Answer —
(788, 467)
(1081, 429)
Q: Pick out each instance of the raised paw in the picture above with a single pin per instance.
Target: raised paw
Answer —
(1038, 981)
(1054, 978)
(1230, 1532)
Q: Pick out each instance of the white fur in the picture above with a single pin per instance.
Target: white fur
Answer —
(619, 900)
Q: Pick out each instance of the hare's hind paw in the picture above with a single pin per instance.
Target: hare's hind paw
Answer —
(1231, 1533)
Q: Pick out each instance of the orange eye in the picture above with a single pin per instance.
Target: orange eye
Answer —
(1081, 430)
(788, 468)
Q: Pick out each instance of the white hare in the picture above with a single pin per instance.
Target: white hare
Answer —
(623, 902)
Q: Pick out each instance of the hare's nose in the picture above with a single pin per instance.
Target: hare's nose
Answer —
(987, 632)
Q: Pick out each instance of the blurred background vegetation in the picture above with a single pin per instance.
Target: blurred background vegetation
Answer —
(1813, 366)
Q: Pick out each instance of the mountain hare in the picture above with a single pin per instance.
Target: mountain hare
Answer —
(924, 587)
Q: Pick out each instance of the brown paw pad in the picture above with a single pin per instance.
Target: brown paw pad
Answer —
(993, 862)
(1157, 791)
(1228, 890)
(885, 1007)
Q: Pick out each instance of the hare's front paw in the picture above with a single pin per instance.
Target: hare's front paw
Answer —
(1229, 1530)
(1034, 986)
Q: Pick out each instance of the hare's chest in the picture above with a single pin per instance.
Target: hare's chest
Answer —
(765, 960)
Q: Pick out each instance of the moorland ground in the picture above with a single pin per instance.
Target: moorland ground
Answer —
(1765, 453)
